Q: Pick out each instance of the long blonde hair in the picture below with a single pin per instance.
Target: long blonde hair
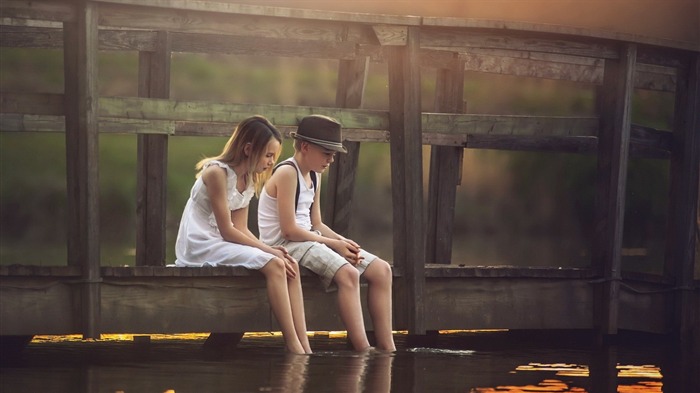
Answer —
(257, 131)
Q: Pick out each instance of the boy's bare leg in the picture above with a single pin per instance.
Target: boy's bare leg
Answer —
(347, 278)
(277, 292)
(379, 277)
(296, 298)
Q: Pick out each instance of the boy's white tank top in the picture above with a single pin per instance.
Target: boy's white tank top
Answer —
(268, 213)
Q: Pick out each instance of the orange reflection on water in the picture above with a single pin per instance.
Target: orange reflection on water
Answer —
(547, 385)
(562, 369)
(644, 371)
(641, 387)
(577, 370)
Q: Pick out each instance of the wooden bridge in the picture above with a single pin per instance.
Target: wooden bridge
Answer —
(431, 293)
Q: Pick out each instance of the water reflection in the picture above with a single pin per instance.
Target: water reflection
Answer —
(290, 376)
(260, 365)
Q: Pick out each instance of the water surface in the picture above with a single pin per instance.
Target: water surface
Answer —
(458, 362)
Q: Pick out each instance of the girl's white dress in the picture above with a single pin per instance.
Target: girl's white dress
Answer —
(199, 242)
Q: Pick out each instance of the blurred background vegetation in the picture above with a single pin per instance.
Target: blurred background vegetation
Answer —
(513, 208)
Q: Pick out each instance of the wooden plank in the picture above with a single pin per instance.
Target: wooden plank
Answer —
(158, 304)
(40, 271)
(32, 103)
(509, 124)
(566, 144)
(613, 148)
(82, 148)
(445, 168)
(554, 30)
(648, 299)
(140, 40)
(16, 22)
(260, 10)
(407, 179)
(661, 56)
(337, 205)
(508, 62)
(31, 123)
(152, 161)
(38, 305)
(455, 271)
(31, 37)
(202, 111)
(562, 67)
(52, 38)
(508, 303)
(262, 46)
(391, 35)
(226, 304)
(191, 21)
(39, 10)
(440, 37)
(563, 144)
(683, 224)
(646, 142)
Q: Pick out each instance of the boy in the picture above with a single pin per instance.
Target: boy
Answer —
(289, 214)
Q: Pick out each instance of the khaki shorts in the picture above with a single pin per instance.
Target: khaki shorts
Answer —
(323, 261)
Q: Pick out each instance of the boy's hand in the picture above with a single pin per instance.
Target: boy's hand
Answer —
(348, 249)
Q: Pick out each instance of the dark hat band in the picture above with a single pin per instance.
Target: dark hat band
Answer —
(335, 146)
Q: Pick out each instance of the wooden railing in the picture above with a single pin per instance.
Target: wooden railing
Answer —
(615, 63)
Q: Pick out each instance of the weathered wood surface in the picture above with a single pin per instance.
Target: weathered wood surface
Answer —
(684, 228)
(172, 300)
(605, 298)
(192, 118)
(337, 205)
(509, 62)
(405, 128)
(445, 168)
(152, 159)
(556, 30)
(82, 162)
(613, 151)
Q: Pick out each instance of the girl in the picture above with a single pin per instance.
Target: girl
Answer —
(214, 230)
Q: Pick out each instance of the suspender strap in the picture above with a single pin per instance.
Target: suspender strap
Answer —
(296, 197)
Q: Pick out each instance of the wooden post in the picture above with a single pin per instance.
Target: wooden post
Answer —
(151, 177)
(613, 149)
(82, 148)
(352, 76)
(683, 198)
(407, 175)
(445, 169)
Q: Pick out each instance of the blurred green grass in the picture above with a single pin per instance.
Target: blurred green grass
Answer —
(513, 208)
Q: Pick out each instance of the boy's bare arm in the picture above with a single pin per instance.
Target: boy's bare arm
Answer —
(284, 183)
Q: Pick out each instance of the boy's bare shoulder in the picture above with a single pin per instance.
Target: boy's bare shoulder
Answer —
(285, 171)
(283, 174)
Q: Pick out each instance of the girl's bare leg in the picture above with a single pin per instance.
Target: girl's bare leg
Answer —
(277, 292)
(296, 298)
(347, 278)
(379, 277)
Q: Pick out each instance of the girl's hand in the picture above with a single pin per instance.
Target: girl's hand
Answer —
(289, 261)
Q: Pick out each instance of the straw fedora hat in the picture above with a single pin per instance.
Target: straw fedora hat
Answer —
(321, 130)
